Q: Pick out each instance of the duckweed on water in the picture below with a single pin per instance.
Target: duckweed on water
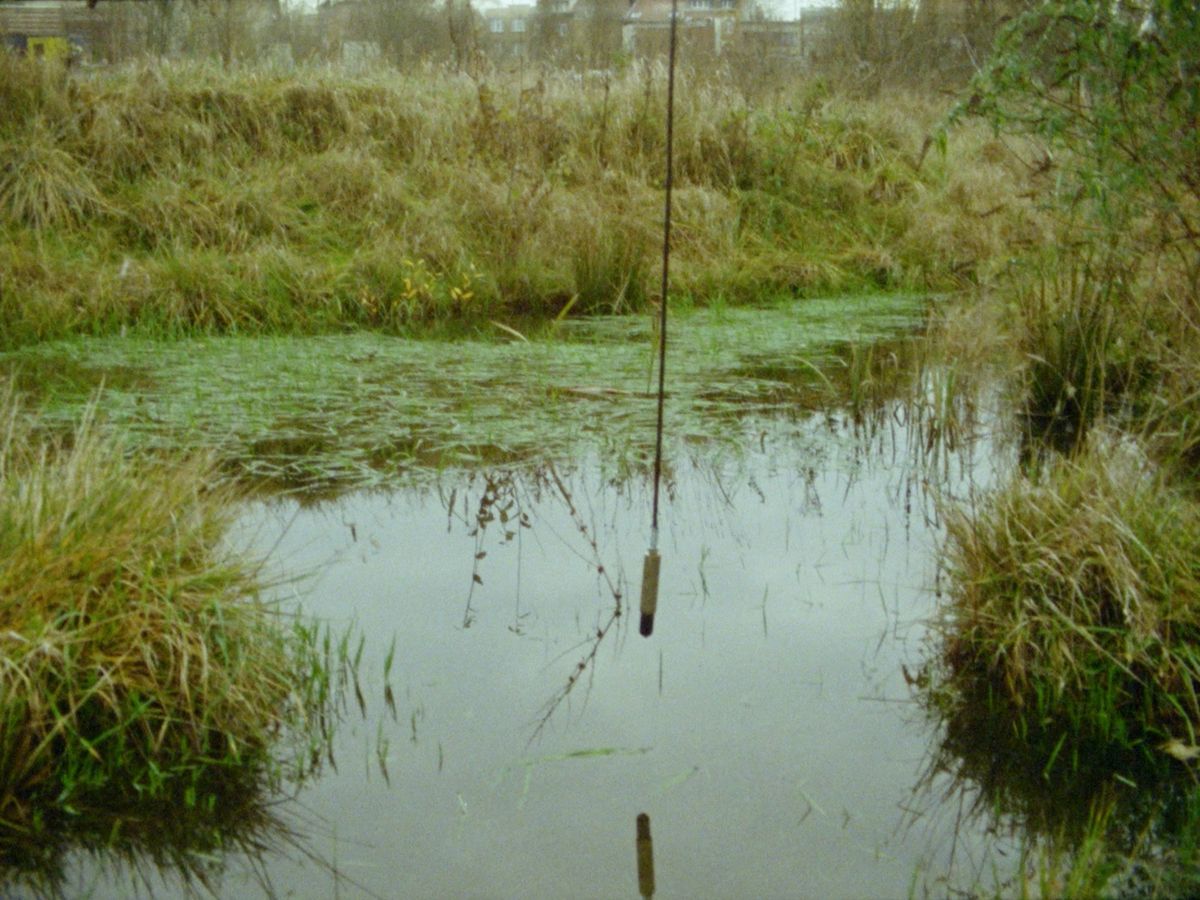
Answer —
(359, 410)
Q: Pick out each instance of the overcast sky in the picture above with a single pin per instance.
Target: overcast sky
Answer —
(788, 8)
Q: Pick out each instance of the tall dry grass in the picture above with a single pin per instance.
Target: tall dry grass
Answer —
(183, 197)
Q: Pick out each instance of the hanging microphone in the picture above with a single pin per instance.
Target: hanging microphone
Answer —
(645, 857)
(649, 591)
(652, 563)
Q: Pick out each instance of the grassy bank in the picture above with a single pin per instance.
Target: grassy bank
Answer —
(181, 198)
(1076, 617)
(1063, 672)
(1065, 669)
(139, 666)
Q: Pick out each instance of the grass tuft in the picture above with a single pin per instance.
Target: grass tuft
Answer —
(137, 662)
(42, 185)
(1074, 615)
(1090, 351)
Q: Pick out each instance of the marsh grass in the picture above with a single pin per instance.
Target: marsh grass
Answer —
(139, 664)
(1064, 670)
(1074, 612)
(43, 186)
(180, 198)
(1090, 350)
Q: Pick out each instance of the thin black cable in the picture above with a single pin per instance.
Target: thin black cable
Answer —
(666, 266)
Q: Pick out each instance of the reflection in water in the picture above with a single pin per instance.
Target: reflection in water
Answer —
(1100, 824)
(645, 856)
(784, 735)
(787, 735)
(512, 500)
(588, 533)
(190, 832)
(169, 847)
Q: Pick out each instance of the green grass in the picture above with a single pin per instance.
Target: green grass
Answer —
(140, 666)
(1074, 614)
(184, 199)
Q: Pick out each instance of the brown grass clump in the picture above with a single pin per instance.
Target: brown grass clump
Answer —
(43, 186)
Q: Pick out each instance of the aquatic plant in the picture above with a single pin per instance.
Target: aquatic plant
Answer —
(138, 663)
(363, 410)
(1073, 612)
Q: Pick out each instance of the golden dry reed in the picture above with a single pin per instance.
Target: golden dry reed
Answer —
(181, 198)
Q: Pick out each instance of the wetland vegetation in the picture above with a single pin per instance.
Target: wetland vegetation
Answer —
(1069, 637)
(180, 199)
(144, 673)
(204, 275)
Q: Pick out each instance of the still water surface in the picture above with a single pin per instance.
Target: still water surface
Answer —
(766, 728)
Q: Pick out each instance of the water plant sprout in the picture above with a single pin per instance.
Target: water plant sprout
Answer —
(650, 568)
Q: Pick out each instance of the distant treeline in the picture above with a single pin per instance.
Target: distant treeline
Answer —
(868, 44)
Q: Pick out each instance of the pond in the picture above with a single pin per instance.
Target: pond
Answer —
(477, 511)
